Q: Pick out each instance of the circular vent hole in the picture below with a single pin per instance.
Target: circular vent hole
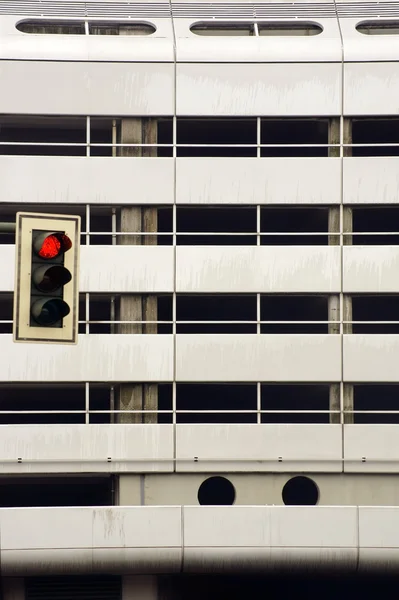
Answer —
(300, 491)
(216, 491)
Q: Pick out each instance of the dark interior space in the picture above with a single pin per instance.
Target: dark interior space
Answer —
(235, 29)
(294, 131)
(216, 219)
(165, 313)
(74, 587)
(375, 308)
(274, 586)
(68, 130)
(6, 312)
(300, 491)
(294, 220)
(375, 131)
(220, 307)
(52, 27)
(375, 219)
(56, 491)
(124, 28)
(211, 132)
(52, 403)
(295, 397)
(100, 310)
(294, 308)
(165, 225)
(165, 402)
(203, 397)
(216, 491)
(380, 397)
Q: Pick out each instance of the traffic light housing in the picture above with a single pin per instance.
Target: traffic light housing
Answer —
(46, 295)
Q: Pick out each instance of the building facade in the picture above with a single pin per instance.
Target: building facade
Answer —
(232, 403)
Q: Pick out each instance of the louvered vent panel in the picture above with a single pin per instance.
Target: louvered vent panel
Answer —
(257, 10)
(200, 10)
(52, 8)
(73, 588)
(368, 9)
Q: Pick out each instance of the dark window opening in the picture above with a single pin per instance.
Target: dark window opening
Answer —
(296, 397)
(74, 587)
(100, 310)
(300, 491)
(52, 27)
(375, 219)
(216, 491)
(56, 491)
(112, 28)
(375, 308)
(165, 402)
(294, 131)
(210, 132)
(294, 220)
(214, 220)
(165, 225)
(223, 29)
(379, 27)
(165, 313)
(375, 131)
(101, 223)
(105, 130)
(289, 28)
(376, 397)
(221, 307)
(33, 403)
(45, 130)
(294, 308)
(6, 312)
(204, 397)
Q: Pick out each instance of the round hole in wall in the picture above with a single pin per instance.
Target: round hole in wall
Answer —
(216, 491)
(300, 491)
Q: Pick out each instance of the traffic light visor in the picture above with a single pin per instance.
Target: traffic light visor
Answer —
(49, 245)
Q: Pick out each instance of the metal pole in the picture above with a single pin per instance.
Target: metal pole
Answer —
(7, 227)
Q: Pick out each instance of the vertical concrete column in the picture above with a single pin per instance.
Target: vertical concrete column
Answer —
(138, 307)
(12, 588)
(139, 587)
(333, 240)
(347, 300)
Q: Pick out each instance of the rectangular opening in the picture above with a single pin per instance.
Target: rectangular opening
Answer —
(374, 220)
(294, 131)
(27, 130)
(374, 309)
(298, 397)
(203, 398)
(382, 398)
(375, 131)
(294, 308)
(105, 130)
(212, 134)
(211, 221)
(56, 491)
(277, 222)
(221, 307)
(6, 312)
(74, 587)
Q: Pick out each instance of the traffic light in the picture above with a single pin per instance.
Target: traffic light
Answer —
(46, 294)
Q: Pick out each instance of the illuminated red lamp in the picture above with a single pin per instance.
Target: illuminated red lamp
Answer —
(53, 245)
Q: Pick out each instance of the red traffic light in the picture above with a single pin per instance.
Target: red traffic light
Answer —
(51, 245)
